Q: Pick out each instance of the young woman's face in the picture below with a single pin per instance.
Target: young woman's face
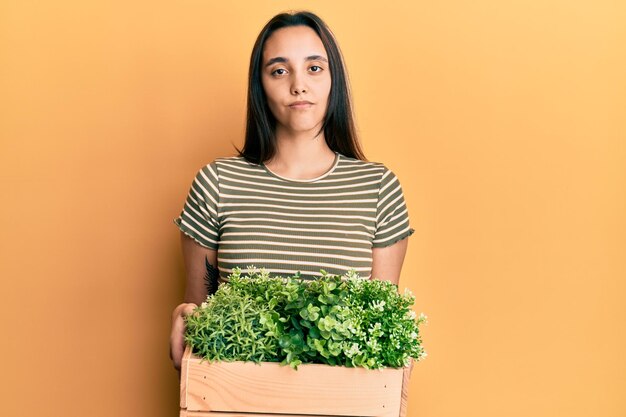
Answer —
(296, 78)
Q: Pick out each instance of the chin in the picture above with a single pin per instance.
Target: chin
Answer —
(305, 127)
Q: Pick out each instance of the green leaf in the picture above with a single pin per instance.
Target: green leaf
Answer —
(314, 333)
(258, 318)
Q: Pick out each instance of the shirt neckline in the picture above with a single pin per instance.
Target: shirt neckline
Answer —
(327, 173)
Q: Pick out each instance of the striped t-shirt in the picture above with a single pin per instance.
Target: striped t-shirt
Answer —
(256, 218)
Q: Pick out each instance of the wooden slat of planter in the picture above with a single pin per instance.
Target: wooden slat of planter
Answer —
(185, 413)
(313, 389)
(404, 398)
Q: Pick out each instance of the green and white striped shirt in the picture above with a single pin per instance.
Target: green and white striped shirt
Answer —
(254, 217)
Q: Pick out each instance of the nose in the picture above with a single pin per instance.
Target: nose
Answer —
(298, 84)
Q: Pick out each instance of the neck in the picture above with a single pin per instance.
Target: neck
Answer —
(301, 155)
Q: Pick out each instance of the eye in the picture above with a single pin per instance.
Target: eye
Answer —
(316, 68)
(275, 72)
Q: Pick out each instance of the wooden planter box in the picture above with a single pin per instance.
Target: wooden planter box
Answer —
(246, 389)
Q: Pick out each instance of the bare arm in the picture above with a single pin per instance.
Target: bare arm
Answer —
(387, 262)
(196, 258)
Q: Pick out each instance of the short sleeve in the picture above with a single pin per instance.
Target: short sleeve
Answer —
(392, 216)
(199, 218)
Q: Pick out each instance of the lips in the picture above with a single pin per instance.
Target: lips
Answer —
(300, 104)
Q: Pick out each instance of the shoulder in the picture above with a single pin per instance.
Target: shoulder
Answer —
(385, 179)
(383, 173)
(226, 164)
(359, 165)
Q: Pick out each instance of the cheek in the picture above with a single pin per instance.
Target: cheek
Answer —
(326, 90)
(268, 93)
(270, 97)
(267, 88)
(272, 91)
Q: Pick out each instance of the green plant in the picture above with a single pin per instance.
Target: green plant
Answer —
(334, 320)
(231, 326)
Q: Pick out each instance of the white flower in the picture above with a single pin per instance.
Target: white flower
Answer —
(378, 305)
(376, 330)
(410, 314)
(352, 274)
(353, 350)
(373, 345)
(423, 318)
(350, 326)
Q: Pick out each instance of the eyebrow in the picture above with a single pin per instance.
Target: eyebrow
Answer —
(283, 59)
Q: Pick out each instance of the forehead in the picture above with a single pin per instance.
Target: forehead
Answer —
(293, 43)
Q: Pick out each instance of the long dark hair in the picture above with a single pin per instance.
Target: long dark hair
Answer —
(338, 126)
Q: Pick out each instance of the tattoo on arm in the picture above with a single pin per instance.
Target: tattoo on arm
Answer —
(210, 278)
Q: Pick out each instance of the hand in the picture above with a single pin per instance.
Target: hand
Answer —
(177, 340)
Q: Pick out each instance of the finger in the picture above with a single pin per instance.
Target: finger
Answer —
(178, 311)
(177, 346)
(188, 309)
(177, 361)
(177, 340)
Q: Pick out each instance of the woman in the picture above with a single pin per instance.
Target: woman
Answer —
(300, 196)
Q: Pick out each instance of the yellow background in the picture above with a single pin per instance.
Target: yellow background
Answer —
(504, 120)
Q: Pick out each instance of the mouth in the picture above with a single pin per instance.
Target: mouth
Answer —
(301, 105)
